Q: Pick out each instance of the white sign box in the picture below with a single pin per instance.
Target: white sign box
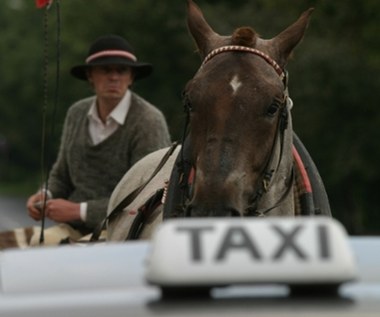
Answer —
(223, 251)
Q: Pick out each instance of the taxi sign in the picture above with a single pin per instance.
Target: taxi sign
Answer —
(223, 251)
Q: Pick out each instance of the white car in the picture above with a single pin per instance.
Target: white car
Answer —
(209, 267)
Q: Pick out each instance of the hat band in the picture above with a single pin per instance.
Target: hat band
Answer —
(111, 53)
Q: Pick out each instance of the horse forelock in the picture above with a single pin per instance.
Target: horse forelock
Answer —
(244, 36)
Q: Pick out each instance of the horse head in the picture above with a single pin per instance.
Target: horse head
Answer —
(240, 125)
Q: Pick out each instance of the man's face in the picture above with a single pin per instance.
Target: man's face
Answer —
(110, 82)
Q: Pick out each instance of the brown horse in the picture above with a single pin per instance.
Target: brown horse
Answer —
(238, 156)
(240, 123)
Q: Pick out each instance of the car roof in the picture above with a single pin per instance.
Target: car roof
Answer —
(109, 280)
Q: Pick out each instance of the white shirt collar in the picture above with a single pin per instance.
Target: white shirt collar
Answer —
(118, 114)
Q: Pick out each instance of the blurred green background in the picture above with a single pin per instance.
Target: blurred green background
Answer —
(334, 81)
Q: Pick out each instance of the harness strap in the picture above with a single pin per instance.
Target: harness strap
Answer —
(306, 190)
(306, 198)
(177, 191)
(229, 48)
(265, 181)
(262, 213)
(279, 137)
(131, 196)
(143, 214)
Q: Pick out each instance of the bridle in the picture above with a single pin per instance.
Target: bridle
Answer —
(238, 48)
(266, 179)
(271, 167)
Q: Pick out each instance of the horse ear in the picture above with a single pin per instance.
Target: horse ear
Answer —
(200, 30)
(288, 39)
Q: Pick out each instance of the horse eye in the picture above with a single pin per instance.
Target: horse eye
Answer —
(272, 109)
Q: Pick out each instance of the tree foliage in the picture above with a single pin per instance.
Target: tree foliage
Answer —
(333, 79)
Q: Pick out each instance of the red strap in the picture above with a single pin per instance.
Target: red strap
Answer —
(302, 170)
(190, 180)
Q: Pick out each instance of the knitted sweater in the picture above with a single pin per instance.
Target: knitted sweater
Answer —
(87, 172)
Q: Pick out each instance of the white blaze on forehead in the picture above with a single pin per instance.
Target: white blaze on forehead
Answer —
(235, 83)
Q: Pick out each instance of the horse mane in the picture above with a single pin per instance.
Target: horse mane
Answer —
(244, 36)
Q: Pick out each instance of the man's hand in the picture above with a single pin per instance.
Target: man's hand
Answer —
(61, 210)
(34, 205)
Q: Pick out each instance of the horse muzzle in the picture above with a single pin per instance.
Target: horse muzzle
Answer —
(197, 210)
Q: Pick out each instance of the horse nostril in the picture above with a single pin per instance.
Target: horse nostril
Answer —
(188, 210)
(196, 210)
(235, 213)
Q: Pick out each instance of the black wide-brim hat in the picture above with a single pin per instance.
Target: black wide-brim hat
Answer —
(112, 50)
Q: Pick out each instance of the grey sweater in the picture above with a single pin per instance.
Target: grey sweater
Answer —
(87, 172)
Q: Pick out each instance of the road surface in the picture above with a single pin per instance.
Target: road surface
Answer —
(13, 213)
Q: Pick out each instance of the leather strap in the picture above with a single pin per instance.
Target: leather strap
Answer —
(127, 200)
